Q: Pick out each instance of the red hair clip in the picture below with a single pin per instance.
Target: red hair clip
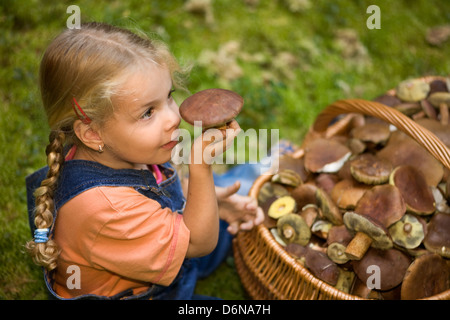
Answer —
(84, 118)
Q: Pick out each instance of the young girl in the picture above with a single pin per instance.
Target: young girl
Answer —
(108, 216)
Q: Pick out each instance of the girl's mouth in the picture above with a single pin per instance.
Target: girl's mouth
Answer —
(170, 145)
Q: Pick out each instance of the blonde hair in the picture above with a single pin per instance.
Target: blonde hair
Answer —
(88, 64)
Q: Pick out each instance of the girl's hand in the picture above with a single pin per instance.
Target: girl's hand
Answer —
(213, 142)
(241, 212)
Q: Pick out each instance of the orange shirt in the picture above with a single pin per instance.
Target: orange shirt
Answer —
(119, 239)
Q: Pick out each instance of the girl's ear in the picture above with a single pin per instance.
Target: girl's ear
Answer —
(89, 136)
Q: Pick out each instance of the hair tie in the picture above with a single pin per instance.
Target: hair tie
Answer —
(84, 118)
(41, 235)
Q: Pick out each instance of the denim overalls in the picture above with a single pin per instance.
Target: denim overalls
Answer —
(80, 175)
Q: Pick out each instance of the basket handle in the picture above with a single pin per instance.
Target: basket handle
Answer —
(423, 136)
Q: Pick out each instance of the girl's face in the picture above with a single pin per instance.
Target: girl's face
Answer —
(143, 129)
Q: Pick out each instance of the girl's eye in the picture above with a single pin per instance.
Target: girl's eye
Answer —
(170, 93)
(148, 114)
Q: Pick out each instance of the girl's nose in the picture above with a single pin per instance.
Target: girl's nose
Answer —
(173, 117)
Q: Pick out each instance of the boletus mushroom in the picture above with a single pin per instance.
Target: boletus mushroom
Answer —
(437, 239)
(413, 90)
(378, 208)
(304, 194)
(383, 203)
(392, 265)
(292, 228)
(325, 155)
(368, 232)
(414, 189)
(427, 275)
(347, 192)
(374, 133)
(441, 101)
(282, 206)
(213, 107)
(436, 98)
(408, 232)
(321, 266)
(369, 169)
(337, 241)
(403, 150)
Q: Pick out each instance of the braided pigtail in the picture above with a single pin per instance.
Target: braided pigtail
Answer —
(44, 251)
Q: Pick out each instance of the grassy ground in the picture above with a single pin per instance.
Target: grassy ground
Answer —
(288, 58)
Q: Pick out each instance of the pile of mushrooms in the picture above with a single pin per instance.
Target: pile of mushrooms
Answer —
(367, 210)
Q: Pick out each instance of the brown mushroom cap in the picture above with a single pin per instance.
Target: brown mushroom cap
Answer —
(369, 169)
(326, 181)
(325, 155)
(392, 264)
(414, 189)
(360, 289)
(286, 161)
(310, 213)
(321, 266)
(437, 239)
(374, 132)
(339, 234)
(304, 194)
(213, 107)
(427, 275)
(438, 85)
(403, 150)
(296, 250)
(383, 203)
(346, 193)
(388, 100)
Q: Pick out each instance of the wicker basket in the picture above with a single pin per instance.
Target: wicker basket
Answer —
(266, 270)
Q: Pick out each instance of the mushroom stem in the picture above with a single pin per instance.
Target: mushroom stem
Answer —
(288, 232)
(221, 127)
(358, 246)
(407, 228)
(443, 107)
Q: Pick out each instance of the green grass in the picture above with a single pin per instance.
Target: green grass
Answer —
(278, 94)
